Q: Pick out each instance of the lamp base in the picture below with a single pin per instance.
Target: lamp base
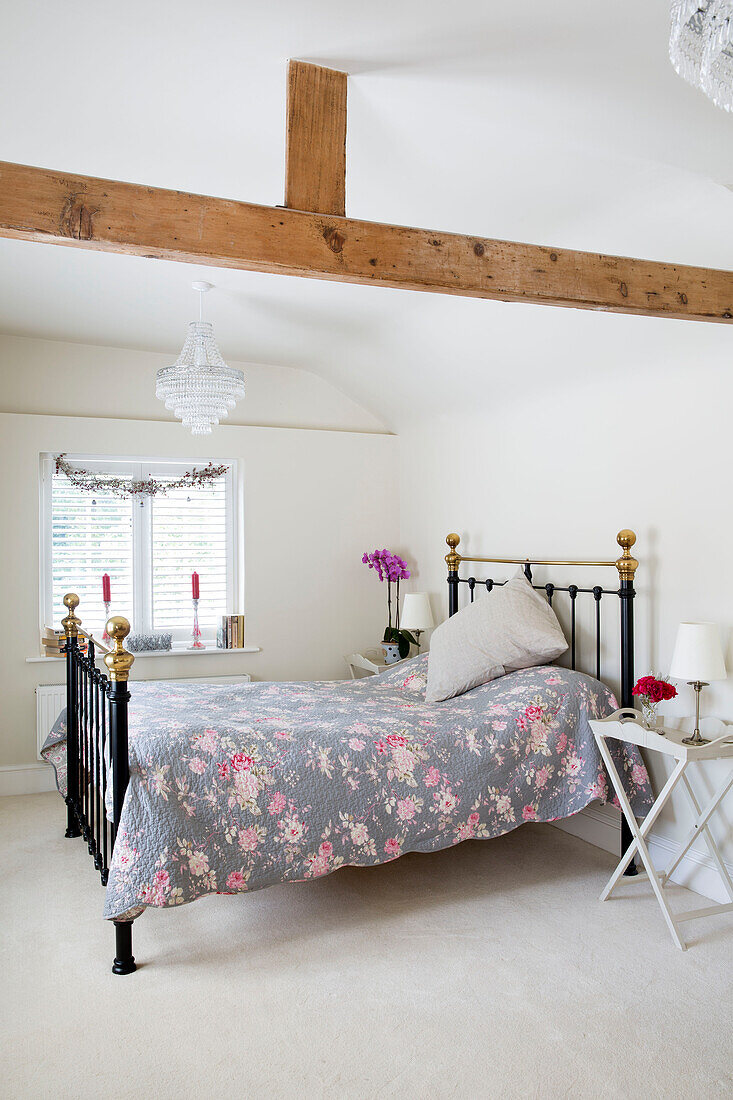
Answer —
(696, 739)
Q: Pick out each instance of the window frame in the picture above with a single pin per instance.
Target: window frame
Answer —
(142, 532)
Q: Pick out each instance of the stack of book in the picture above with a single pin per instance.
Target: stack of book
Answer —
(230, 634)
(53, 642)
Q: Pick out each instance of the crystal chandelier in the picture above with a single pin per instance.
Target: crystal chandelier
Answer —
(701, 47)
(200, 388)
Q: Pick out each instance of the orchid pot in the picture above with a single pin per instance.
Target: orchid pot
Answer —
(391, 652)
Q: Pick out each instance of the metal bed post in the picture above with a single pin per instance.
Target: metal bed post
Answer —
(119, 662)
(627, 566)
(71, 626)
(453, 560)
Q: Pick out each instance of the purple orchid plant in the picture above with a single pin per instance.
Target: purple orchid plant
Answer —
(392, 568)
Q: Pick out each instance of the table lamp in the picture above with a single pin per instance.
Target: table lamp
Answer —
(416, 614)
(698, 658)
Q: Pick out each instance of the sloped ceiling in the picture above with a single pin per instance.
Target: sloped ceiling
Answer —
(557, 123)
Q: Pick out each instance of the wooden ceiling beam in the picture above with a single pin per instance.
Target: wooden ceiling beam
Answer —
(40, 205)
(315, 157)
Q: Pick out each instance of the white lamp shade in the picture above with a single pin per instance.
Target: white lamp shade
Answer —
(698, 654)
(416, 612)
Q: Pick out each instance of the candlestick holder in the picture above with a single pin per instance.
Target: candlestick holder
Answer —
(196, 642)
(105, 635)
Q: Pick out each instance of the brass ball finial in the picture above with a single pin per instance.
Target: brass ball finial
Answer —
(72, 622)
(453, 559)
(117, 627)
(626, 565)
(119, 661)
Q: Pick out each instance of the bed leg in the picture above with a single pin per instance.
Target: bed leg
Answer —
(72, 829)
(124, 959)
(626, 839)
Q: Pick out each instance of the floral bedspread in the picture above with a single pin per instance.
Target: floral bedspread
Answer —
(238, 786)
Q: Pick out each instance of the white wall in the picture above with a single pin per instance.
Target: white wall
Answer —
(314, 500)
(51, 376)
(556, 469)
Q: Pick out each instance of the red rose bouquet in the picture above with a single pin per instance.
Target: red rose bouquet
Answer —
(652, 692)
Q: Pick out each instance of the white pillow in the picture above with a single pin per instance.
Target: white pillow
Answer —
(510, 628)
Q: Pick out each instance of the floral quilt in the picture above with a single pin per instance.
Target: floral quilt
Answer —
(238, 786)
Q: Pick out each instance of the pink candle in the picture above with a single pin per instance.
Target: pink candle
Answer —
(106, 590)
(195, 585)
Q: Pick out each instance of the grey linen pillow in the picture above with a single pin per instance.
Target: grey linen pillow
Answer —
(510, 628)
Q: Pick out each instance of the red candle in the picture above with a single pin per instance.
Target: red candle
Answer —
(195, 585)
(106, 590)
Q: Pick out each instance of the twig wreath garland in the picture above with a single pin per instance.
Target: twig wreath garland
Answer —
(150, 487)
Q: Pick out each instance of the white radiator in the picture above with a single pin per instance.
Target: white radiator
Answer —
(51, 700)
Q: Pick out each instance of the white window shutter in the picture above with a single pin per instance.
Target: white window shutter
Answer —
(189, 532)
(91, 534)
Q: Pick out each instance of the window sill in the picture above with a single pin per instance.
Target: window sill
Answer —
(182, 652)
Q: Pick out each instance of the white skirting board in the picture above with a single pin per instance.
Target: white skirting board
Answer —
(696, 871)
(27, 779)
(597, 824)
(601, 825)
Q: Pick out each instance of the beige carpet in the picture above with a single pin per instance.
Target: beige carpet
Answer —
(490, 970)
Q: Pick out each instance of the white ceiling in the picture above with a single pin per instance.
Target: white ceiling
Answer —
(558, 123)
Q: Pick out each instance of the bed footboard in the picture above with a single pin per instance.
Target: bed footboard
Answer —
(97, 751)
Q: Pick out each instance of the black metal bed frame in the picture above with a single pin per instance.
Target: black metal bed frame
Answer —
(96, 706)
(626, 566)
(96, 741)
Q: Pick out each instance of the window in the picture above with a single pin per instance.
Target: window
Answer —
(149, 546)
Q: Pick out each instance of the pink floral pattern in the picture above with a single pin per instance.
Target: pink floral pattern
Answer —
(237, 787)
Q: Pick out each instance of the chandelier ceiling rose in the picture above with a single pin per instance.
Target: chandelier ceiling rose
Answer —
(200, 388)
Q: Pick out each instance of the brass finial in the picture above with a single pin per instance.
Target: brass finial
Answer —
(119, 661)
(453, 560)
(626, 565)
(71, 623)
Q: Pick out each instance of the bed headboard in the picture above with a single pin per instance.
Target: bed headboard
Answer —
(626, 566)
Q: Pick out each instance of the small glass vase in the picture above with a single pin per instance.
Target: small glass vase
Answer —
(649, 712)
(196, 642)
